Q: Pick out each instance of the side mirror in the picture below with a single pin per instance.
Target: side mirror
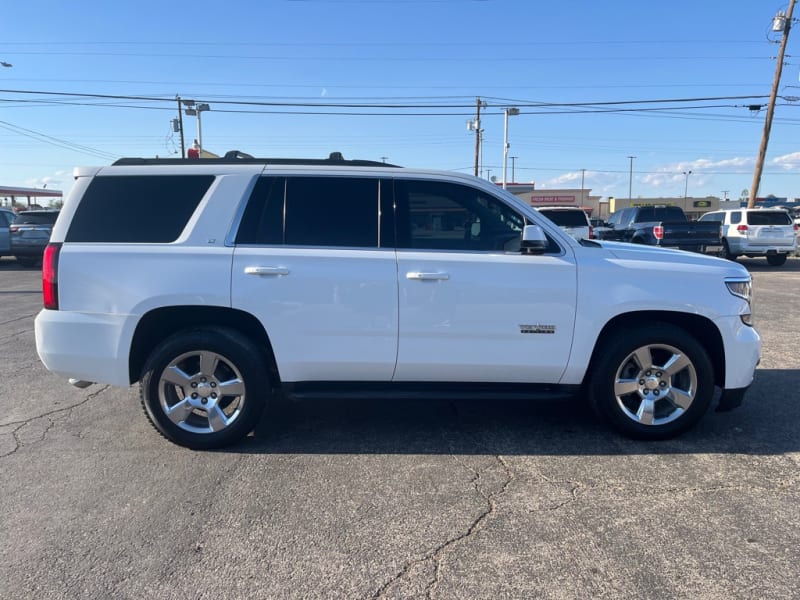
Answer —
(534, 239)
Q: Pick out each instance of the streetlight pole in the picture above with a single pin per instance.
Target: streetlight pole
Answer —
(686, 185)
(583, 175)
(630, 179)
(508, 111)
(193, 110)
(780, 23)
(200, 109)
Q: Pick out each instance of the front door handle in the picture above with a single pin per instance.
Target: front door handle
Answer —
(266, 271)
(416, 275)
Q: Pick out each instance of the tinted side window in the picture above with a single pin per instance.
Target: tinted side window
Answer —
(436, 215)
(137, 209)
(736, 217)
(624, 218)
(262, 222)
(319, 211)
(331, 211)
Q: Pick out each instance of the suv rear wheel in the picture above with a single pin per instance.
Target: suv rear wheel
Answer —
(204, 388)
(776, 260)
(652, 382)
(726, 251)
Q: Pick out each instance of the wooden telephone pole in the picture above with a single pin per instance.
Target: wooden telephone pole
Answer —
(762, 152)
(477, 133)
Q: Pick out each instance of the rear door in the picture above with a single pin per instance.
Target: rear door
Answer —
(315, 263)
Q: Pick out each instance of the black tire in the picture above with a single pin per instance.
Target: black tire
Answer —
(181, 378)
(27, 261)
(726, 251)
(776, 260)
(657, 400)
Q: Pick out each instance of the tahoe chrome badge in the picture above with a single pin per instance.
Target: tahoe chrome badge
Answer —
(538, 328)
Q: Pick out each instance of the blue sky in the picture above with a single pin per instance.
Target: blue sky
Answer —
(434, 57)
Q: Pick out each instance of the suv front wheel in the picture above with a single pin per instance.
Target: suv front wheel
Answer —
(204, 388)
(652, 382)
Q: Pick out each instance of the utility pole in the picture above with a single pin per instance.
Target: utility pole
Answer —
(180, 125)
(780, 23)
(477, 133)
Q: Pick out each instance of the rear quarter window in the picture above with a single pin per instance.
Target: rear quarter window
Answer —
(137, 209)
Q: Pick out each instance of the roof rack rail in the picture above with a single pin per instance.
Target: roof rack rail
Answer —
(239, 157)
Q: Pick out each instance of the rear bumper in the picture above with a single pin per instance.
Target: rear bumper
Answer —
(762, 249)
(22, 249)
(89, 347)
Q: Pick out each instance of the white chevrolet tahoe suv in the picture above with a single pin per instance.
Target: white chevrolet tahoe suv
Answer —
(218, 284)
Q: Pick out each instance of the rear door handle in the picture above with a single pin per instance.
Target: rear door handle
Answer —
(416, 275)
(274, 271)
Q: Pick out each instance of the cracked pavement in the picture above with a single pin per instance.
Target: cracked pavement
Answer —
(353, 499)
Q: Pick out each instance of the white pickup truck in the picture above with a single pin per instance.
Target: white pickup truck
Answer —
(217, 284)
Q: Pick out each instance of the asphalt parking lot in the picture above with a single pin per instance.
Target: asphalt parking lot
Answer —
(414, 500)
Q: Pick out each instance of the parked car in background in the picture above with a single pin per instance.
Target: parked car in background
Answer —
(6, 218)
(30, 233)
(756, 232)
(665, 226)
(571, 219)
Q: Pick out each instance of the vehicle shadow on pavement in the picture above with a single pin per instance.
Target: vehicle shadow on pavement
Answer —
(764, 425)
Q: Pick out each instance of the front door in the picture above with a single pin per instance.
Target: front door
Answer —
(472, 307)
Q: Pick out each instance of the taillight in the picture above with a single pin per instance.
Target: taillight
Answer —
(591, 232)
(742, 228)
(50, 276)
(13, 229)
(658, 231)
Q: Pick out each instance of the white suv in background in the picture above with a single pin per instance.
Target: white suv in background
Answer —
(333, 278)
(755, 232)
(571, 219)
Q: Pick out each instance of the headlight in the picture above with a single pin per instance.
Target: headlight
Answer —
(743, 289)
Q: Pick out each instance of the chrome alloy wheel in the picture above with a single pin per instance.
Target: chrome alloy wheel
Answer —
(201, 392)
(655, 384)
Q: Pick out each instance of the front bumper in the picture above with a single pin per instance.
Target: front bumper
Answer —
(731, 399)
